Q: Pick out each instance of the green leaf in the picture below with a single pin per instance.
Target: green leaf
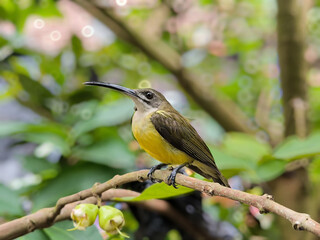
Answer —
(59, 232)
(10, 203)
(159, 191)
(7, 6)
(61, 144)
(52, 66)
(36, 235)
(270, 170)
(70, 181)
(245, 146)
(38, 165)
(106, 115)
(226, 162)
(9, 128)
(46, 8)
(41, 133)
(38, 94)
(76, 46)
(113, 153)
(295, 148)
(56, 134)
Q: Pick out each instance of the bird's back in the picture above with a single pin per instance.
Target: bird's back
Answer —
(179, 133)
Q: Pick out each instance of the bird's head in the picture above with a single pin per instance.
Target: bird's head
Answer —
(145, 99)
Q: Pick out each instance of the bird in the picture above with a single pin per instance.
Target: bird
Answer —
(166, 135)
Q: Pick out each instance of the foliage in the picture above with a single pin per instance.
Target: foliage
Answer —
(81, 135)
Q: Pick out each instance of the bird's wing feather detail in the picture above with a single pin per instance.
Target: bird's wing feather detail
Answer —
(177, 130)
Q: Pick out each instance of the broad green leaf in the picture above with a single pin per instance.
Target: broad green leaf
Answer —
(113, 153)
(46, 137)
(38, 165)
(38, 94)
(226, 161)
(36, 235)
(106, 115)
(160, 191)
(69, 181)
(294, 147)
(270, 170)
(52, 66)
(59, 232)
(39, 133)
(245, 146)
(8, 7)
(10, 203)
(9, 128)
(47, 9)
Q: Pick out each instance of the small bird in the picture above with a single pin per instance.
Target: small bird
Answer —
(166, 135)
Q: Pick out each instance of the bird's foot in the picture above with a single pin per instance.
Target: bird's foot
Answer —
(153, 169)
(173, 174)
(172, 179)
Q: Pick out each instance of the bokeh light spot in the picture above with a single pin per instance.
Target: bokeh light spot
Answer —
(144, 84)
(38, 23)
(87, 31)
(121, 2)
(55, 35)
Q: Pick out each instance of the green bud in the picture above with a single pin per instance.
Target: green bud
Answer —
(84, 215)
(111, 220)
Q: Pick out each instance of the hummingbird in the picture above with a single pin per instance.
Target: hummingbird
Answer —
(166, 135)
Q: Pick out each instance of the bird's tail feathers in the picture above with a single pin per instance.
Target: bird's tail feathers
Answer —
(209, 171)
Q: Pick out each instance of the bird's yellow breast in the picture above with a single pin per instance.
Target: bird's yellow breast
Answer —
(153, 143)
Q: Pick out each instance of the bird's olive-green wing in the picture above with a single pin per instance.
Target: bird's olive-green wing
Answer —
(176, 130)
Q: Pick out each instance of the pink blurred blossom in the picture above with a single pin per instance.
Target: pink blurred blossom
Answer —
(51, 35)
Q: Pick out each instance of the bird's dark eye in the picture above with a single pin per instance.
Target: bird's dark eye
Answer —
(149, 95)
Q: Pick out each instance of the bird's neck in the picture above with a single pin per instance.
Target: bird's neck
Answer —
(142, 113)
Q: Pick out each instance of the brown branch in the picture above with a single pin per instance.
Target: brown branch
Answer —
(293, 188)
(46, 217)
(162, 207)
(291, 46)
(41, 219)
(226, 113)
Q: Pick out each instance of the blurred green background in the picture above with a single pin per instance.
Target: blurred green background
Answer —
(59, 137)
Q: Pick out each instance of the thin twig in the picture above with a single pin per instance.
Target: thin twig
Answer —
(46, 217)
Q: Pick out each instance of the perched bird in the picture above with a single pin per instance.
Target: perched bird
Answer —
(166, 135)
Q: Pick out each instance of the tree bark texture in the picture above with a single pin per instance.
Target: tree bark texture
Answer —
(291, 46)
(292, 188)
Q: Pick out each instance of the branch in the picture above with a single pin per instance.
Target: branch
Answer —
(160, 206)
(226, 113)
(48, 216)
(41, 219)
(291, 46)
(291, 33)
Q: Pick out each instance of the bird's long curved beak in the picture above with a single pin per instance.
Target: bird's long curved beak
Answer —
(127, 91)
